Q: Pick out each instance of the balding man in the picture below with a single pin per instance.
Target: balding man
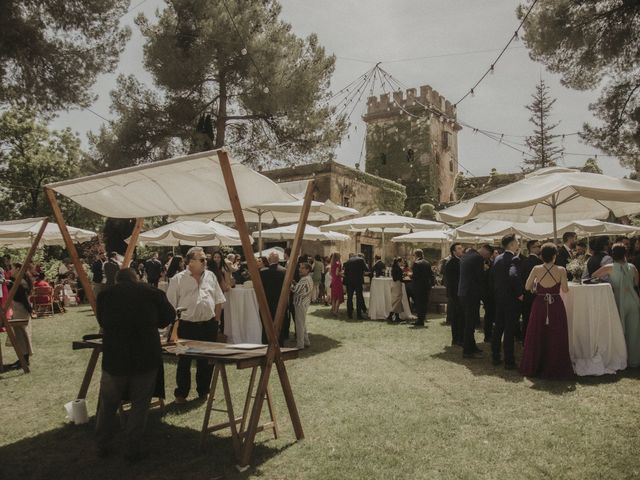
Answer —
(272, 280)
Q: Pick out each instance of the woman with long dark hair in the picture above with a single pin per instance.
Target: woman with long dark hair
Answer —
(337, 287)
(176, 265)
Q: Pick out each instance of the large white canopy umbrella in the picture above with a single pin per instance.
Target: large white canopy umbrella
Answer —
(494, 229)
(21, 233)
(552, 195)
(282, 213)
(190, 232)
(383, 222)
(288, 232)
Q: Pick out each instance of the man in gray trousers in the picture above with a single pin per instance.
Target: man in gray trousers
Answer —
(130, 314)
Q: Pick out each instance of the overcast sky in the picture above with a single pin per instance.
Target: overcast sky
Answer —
(456, 34)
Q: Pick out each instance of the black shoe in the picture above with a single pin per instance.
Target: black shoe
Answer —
(362, 317)
(472, 355)
(509, 366)
(477, 350)
(417, 324)
(496, 361)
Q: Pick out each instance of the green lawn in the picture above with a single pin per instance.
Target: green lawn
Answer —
(376, 401)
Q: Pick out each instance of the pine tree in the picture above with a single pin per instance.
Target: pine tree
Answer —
(544, 152)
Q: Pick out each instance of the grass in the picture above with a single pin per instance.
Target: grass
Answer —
(376, 401)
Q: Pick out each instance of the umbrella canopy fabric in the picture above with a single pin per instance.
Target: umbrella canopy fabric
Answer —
(383, 222)
(269, 251)
(495, 229)
(282, 213)
(288, 232)
(426, 236)
(188, 232)
(192, 184)
(21, 233)
(550, 195)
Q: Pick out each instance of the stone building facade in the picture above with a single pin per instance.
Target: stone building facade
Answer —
(408, 143)
(348, 187)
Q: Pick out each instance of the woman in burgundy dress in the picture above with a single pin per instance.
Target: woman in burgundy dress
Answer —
(546, 348)
(337, 289)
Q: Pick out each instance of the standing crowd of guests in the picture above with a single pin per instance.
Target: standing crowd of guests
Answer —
(521, 298)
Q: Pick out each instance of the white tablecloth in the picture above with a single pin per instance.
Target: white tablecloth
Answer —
(241, 316)
(596, 339)
(380, 299)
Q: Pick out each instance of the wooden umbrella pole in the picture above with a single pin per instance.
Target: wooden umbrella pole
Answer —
(273, 349)
(133, 241)
(73, 253)
(12, 293)
(84, 281)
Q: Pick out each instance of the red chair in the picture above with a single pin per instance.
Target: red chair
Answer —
(42, 301)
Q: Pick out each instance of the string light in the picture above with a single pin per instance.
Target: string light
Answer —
(514, 37)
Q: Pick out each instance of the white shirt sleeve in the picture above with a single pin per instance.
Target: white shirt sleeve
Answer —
(172, 291)
(218, 295)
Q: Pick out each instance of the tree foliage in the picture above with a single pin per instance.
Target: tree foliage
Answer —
(427, 212)
(591, 166)
(226, 72)
(542, 143)
(594, 44)
(30, 157)
(51, 51)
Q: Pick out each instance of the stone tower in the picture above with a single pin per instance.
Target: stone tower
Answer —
(412, 145)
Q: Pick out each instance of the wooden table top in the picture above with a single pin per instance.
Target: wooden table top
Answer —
(243, 358)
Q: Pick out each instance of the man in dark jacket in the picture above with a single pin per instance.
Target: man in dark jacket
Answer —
(507, 288)
(472, 267)
(97, 272)
(272, 281)
(354, 270)
(422, 280)
(565, 252)
(111, 268)
(153, 268)
(379, 268)
(130, 314)
(526, 265)
(455, 315)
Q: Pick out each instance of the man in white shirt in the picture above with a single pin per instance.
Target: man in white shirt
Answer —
(195, 289)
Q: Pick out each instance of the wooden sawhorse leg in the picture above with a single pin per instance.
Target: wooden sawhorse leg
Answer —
(273, 424)
(219, 370)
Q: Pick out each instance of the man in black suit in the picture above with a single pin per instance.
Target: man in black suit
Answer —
(488, 299)
(472, 267)
(455, 315)
(153, 267)
(379, 267)
(422, 280)
(272, 281)
(354, 270)
(130, 314)
(565, 252)
(507, 288)
(527, 264)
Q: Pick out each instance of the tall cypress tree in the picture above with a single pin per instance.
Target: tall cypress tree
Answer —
(545, 152)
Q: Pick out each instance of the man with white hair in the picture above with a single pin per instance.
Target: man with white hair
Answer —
(272, 280)
(195, 289)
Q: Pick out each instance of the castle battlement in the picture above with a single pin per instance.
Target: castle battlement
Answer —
(409, 101)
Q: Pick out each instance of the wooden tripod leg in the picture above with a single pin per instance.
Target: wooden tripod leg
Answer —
(252, 427)
(247, 402)
(207, 412)
(232, 418)
(272, 415)
(88, 374)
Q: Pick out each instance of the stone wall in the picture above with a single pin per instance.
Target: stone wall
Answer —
(349, 187)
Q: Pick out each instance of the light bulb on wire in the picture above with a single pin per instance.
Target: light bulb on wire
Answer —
(243, 51)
